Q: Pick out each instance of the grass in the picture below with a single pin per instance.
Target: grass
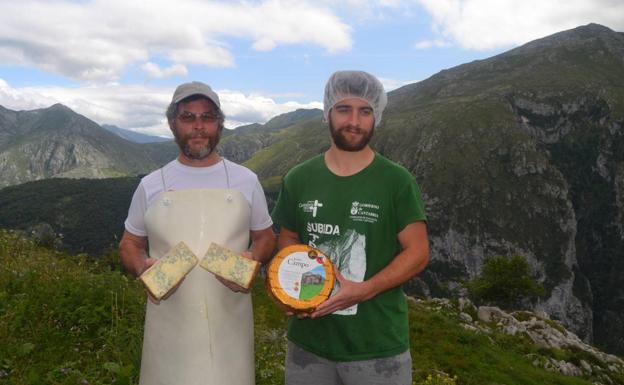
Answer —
(71, 320)
(65, 319)
(308, 291)
(439, 343)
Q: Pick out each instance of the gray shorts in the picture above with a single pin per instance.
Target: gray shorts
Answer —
(305, 368)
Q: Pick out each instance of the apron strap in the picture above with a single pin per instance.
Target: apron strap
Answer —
(227, 174)
(162, 175)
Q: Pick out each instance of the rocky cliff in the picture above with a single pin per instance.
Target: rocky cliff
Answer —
(522, 154)
(561, 351)
(519, 154)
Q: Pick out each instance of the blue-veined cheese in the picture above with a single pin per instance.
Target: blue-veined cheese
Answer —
(229, 265)
(164, 275)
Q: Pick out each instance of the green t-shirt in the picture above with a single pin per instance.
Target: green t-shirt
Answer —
(355, 221)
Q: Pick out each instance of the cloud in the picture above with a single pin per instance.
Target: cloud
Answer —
(264, 44)
(426, 44)
(96, 41)
(365, 11)
(23, 99)
(154, 71)
(140, 108)
(241, 109)
(393, 84)
(492, 24)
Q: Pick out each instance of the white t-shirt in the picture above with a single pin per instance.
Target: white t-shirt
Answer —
(180, 177)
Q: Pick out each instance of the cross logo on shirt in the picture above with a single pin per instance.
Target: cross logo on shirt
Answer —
(311, 207)
(315, 206)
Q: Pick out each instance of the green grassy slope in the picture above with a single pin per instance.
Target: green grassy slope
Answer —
(66, 320)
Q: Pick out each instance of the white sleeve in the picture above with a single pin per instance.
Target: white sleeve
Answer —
(135, 222)
(260, 218)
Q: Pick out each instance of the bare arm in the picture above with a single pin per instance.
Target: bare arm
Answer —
(262, 244)
(409, 262)
(287, 238)
(133, 255)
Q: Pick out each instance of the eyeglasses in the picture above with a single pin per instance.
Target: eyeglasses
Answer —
(206, 117)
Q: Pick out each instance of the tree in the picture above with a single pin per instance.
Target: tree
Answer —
(505, 282)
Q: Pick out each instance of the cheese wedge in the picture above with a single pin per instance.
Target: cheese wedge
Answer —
(229, 265)
(163, 276)
(300, 278)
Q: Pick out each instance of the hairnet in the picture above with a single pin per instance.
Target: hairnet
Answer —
(355, 84)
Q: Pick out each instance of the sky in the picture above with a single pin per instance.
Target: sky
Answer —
(118, 61)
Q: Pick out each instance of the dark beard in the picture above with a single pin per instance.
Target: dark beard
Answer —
(343, 144)
(203, 152)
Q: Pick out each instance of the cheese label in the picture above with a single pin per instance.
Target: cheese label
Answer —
(300, 276)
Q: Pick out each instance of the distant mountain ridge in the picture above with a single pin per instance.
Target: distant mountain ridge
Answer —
(242, 143)
(136, 137)
(57, 142)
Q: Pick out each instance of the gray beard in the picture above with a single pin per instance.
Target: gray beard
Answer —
(200, 154)
(197, 155)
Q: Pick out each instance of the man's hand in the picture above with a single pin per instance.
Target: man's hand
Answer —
(152, 299)
(147, 263)
(232, 286)
(349, 294)
(262, 245)
(132, 252)
(287, 238)
(247, 254)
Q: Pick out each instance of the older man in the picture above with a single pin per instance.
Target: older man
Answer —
(378, 241)
(203, 332)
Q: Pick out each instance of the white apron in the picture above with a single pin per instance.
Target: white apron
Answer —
(203, 333)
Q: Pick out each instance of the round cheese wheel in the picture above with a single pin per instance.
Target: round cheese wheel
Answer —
(300, 278)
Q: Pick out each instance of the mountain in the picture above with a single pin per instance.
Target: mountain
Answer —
(522, 153)
(86, 216)
(134, 136)
(242, 143)
(57, 142)
(518, 154)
